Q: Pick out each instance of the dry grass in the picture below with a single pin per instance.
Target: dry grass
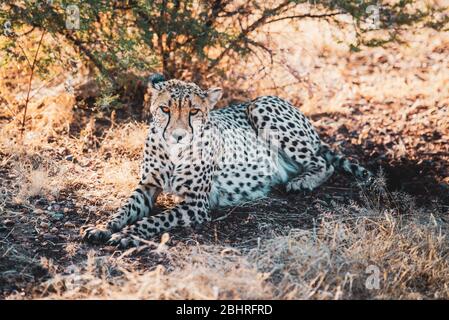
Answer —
(299, 249)
(312, 67)
(330, 261)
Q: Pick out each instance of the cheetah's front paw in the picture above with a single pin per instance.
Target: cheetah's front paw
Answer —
(96, 234)
(123, 241)
(299, 185)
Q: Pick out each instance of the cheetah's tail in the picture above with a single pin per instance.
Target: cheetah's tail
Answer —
(340, 162)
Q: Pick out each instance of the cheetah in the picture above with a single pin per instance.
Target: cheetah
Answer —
(214, 158)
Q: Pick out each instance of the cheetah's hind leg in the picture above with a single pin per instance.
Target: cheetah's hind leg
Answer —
(295, 136)
(315, 173)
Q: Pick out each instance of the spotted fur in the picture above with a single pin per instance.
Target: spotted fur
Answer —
(217, 158)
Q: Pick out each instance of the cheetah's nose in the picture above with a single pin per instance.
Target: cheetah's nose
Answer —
(178, 135)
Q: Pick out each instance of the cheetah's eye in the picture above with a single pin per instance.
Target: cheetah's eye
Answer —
(194, 112)
(165, 109)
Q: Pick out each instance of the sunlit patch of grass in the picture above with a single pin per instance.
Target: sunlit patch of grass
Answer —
(126, 140)
(122, 176)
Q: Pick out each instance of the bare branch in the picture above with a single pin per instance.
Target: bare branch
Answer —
(30, 81)
(308, 15)
(255, 25)
(263, 47)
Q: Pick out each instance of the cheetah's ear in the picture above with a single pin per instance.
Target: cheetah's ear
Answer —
(154, 79)
(153, 87)
(213, 96)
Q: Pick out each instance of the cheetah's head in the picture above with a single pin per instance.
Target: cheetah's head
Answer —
(179, 108)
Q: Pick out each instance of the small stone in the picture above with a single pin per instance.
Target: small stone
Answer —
(8, 222)
(50, 237)
(56, 207)
(109, 248)
(66, 210)
(69, 225)
(69, 157)
(57, 216)
(54, 230)
(44, 225)
(38, 211)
